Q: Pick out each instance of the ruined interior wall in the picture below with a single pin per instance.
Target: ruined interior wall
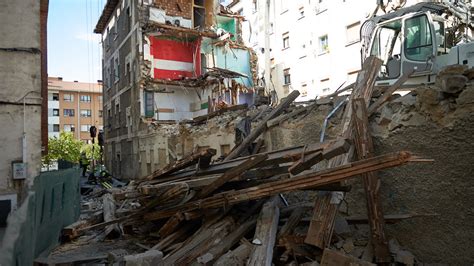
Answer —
(181, 8)
(20, 73)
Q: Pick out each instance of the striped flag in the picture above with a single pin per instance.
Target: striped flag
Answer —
(173, 59)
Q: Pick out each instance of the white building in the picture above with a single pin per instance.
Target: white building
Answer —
(315, 44)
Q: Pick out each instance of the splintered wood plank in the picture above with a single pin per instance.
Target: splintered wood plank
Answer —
(233, 238)
(236, 257)
(232, 173)
(310, 180)
(204, 239)
(365, 149)
(265, 234)
(325, 210)
(304, 181)
(262, 125)
(306, 162)
(331, 258)
(292, 222)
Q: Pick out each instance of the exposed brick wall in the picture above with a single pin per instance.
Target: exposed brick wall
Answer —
(181, 8)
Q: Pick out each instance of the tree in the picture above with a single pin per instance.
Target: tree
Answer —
(66, 147)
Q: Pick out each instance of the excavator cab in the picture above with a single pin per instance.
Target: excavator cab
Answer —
(406, 43)
(419, 38)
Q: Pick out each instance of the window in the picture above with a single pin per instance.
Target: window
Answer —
(68, 112)
(55, 127)
(55, 96)
(68, 98)
(304, 90)
(55, 112)
(352, 33)
(116, 70)
(100, 98)
(86, 98)
(286, 40)
(418, 42)
(85, 113)
(85, 128)
(286, 76)
(325, 86)
(69, 128)
(149, 104)
(254, 6)
(199, 14)
(323, 44)
(101, 113)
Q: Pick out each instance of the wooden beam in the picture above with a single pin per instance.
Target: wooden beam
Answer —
(209, 235)
(303, 181)
(154, 26)
(238, 256)
(231, 174)
(265, 234)
(365, 149)
(262, 125)
(233, 238)
(274, 158)
(325, 210)
(292, 222)
(282, 118)
(388, 93)
(306, 162)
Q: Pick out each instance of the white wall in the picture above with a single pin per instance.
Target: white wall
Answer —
(308, 65)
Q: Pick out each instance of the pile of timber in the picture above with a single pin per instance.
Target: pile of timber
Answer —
(234, 212)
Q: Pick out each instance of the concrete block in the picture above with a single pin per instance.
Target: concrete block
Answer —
(149, 258)
(405, 257)
(466, 96)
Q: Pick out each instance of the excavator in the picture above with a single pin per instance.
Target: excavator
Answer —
(421, 39)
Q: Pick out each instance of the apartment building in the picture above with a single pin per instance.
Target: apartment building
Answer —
(315, 45)
(163, 62)
(74, 107)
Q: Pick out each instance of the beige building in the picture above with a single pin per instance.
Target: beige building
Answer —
(74, 107)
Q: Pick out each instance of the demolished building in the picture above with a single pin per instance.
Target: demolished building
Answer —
(166, 62)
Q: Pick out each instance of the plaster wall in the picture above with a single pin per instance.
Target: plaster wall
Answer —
(20, 73)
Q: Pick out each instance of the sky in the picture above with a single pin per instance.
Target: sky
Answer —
(74, 51)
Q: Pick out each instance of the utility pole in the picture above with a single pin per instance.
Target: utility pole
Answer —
(267, 45)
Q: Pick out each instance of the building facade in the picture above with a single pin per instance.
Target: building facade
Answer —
(74, 107)
(23, 71)
(164, 62)
(315, 45)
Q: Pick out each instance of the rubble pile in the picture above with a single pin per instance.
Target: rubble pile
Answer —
(236, 211)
